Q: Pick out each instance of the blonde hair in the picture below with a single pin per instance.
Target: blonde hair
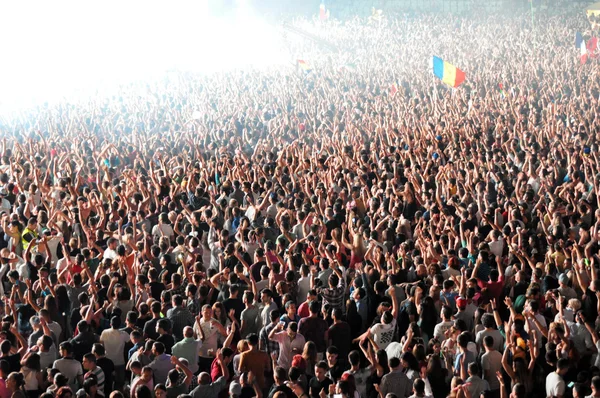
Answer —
(575, 304)
(242, 346)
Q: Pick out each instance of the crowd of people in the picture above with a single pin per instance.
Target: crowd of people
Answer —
(356, 231)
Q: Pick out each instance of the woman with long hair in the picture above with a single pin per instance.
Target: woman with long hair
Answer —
(349, 387)
(435, 375)
(31, 369)
(379, 361)
(15, 384)
(410, 366)
(428, 317)
(520, 372)
(220, 314)
(310, 355)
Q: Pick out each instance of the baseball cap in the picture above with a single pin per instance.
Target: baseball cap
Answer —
(461, 302)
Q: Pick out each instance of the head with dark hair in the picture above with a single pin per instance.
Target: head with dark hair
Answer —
(143, 391)
(115, 322)
(252, 340)
(98, 350)
(409, 361)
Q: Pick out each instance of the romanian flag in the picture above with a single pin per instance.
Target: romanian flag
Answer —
(580, 45)
(302, 64)
(449, 73)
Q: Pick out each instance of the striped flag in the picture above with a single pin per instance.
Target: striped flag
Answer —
(448, 73)
(302, 64)
(323, 12)
(581, 46)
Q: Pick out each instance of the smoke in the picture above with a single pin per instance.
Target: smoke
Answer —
(53, 50)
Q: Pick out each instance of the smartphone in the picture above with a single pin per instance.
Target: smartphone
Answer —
(570, 385)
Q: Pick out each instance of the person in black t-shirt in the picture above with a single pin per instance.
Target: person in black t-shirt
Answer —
(320, 381)
(281, 377)
(234, 302)
(163, 328)
(150, 326)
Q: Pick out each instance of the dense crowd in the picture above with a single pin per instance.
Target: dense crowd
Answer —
(356, 231)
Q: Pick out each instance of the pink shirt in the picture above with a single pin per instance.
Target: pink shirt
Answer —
(4, 393)
(139, 382)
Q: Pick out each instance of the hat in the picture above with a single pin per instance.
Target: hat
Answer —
(235, 389)
(563, 278)
(461, 302)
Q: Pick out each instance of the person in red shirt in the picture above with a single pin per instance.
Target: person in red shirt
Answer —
(216, 370)
(304, 308)
(492, 289)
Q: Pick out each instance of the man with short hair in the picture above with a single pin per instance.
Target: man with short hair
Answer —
(105, 364)
(280, 386)
(266, 344)
(476, 385)
(163, 327)
(179, 316)
(206, 387)
(290, 313)
(595, 387)
(314, 328)
(268, 305)
(439, 332)
(150, 326)
(491, 362)
(68, 366)
(360, 374)
(489, 323)
(161, 365)
(395, 382)
(84, 341)
(188, 348)
(114, 341)
(555, 384)
(334, 294)
(255, 361)
(319, 382)
(464, 356)
(290, 342)
(251, 319)
(89, 364)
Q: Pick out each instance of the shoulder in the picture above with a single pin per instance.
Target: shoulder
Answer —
(221, 381)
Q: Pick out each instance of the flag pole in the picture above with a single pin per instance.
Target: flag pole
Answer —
(532, 23)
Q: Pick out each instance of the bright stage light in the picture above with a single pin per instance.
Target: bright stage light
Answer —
(71, 49)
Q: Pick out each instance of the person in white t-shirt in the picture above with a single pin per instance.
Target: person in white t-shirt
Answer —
(439, 332)
(555, 384)
(111, 249)
(383, 332)
(114, 341)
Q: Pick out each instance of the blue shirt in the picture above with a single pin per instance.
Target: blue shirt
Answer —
(133, 349)
(470, 357)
